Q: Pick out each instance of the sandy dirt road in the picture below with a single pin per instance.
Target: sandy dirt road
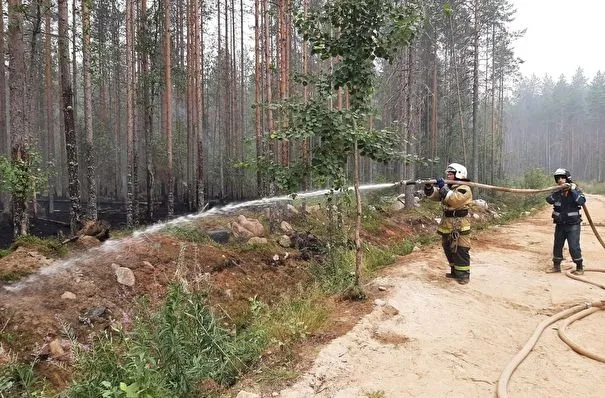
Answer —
(447, 340)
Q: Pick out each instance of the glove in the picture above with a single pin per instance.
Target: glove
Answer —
(573, 187)
(440, 182)
(567, 186)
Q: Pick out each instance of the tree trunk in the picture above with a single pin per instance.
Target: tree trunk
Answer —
(68, 116)
(258, 97)
(4, 138)
(90, 150)
(199, 102)
(168, 107)
(475, 132)
(50, 120)
(129, 114)
(20, 135)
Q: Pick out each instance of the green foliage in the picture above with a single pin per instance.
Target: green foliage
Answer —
(354, 34)
(188, 234)
(166, 354)
(18, 379)
(376, 257)
(336, 274)
(593, 187)
(294, 319)
(13, 276)
(22, 177)
(50, 247)
(532, 179)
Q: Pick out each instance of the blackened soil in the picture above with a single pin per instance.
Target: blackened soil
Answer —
(49, 224)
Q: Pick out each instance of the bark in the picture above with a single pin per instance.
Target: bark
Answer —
(68, 116)
(90, 150)
(4, 137)
(410, 138)
(258, 97)
(50, 120)
(129, 115)
(475, 131)
(168, 107)
(199, 101)
(20, 135)
(147, 105)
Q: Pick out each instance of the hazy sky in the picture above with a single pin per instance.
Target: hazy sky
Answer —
(561, 36)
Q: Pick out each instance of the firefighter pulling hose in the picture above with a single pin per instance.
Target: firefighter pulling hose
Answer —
(564, 196)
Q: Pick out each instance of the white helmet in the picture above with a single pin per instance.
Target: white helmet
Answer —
(458, 170)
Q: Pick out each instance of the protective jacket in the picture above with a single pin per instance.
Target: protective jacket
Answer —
(455, 200)
(566, 206)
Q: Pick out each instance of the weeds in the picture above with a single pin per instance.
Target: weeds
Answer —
(49, 247)
(188, 234)
(167, 353)
(18, 379)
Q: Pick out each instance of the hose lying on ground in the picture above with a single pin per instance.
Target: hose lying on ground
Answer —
(577, 348)
(514, 363)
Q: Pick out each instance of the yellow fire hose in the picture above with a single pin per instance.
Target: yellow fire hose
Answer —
(570, 315)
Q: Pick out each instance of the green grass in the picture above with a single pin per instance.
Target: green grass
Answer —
(49, 247)
(188, 234)
(13, 276)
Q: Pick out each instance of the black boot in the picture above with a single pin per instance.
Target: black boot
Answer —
(463, 277)
(451, 274)
(579, 268)
(556, 267)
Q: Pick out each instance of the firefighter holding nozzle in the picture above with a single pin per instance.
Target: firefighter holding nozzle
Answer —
(567, 218)
(455, 225)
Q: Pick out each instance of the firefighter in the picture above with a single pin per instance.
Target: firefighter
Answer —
(455, 225)
(567, 218)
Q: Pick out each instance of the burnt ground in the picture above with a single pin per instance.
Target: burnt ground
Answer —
(44, 224)
(80, 292)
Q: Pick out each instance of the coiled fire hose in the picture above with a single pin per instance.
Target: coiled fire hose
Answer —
(569, 315)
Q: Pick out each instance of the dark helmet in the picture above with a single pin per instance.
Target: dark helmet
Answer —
(562, 173)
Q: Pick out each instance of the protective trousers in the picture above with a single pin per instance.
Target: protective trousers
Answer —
(456, 248)
(571, 233)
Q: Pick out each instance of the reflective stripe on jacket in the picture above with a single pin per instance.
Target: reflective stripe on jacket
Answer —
(566, 206)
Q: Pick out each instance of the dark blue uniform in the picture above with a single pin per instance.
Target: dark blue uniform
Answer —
(566, 215)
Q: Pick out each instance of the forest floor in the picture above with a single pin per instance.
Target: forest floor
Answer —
(417, 335)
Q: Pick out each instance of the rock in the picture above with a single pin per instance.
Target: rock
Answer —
(239, 231)
(379, 303)
(481, 203)
(286, 227)
(390, 310)
(255, 240)
(125, 276)
(251, 225)
(292, 209)
(219, 235)
(56, 350)
(284, 241)
(68, 296)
